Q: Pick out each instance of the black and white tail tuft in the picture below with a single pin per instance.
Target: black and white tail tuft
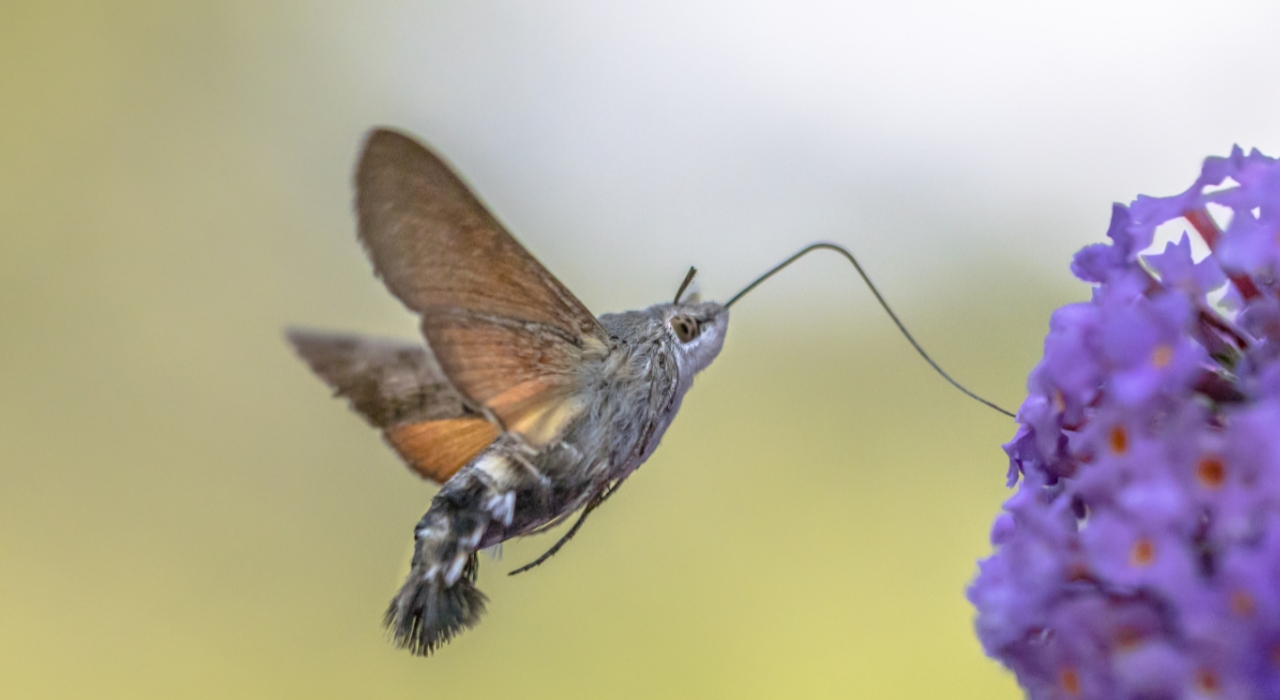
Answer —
(428, 612)
(439, 599)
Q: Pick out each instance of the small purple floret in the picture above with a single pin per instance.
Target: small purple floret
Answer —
(1140, 554)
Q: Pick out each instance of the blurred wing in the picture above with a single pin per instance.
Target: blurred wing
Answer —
(396, 386)
(388, 382)
(438, 449)
(504, 331)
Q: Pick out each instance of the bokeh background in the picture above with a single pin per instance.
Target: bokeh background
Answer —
(184, 512)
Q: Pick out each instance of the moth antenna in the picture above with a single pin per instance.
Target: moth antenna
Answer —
(849, 256)
(688, 279)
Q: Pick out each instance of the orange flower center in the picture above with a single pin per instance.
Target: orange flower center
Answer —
(1162, 356)
(1077, 572)
(1118, 440)
(1127, 637)
(1069, 680)
(1242, 603)
(1143, 552)
(1207, 681)
(1211, 472)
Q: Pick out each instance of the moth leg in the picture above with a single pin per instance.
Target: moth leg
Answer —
(542, 486)
(567, 536)
(594, 503)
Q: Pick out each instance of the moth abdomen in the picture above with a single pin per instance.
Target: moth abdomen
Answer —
(439, 597)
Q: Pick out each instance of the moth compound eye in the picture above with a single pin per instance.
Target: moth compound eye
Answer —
(686, 327)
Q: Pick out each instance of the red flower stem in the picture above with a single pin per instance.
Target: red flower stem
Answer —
(1208, 230)
(1212, 319)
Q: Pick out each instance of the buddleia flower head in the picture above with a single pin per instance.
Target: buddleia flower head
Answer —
(1140, 554)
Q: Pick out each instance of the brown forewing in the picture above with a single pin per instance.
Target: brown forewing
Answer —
(520, 371)
(503, 329)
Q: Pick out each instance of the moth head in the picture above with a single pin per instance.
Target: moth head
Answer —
(697, 329)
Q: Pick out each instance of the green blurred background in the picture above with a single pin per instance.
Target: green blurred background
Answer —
(184, 512)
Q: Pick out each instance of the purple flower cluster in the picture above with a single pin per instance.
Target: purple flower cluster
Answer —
(1140, 555)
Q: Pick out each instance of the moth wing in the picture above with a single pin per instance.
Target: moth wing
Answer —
(397, 386)
(505, 332)
(386, 381)
(438, 449)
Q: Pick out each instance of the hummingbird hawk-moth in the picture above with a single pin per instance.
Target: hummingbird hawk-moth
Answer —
(521, 404)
